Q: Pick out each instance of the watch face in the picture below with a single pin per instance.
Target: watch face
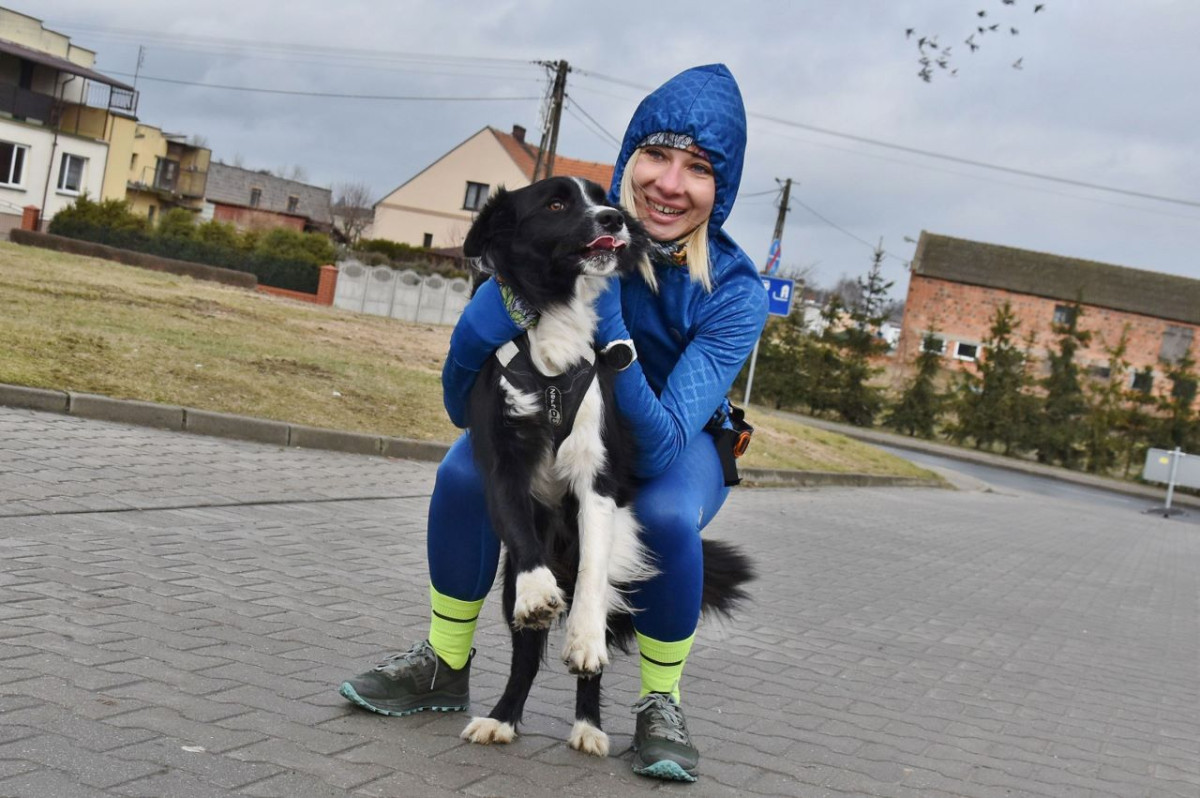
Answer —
(618, 355)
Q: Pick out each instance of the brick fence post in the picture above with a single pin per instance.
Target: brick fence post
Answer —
(30, 218)
(327, 284)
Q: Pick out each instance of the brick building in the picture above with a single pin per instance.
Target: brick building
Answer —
(259, 200)
(956, 286)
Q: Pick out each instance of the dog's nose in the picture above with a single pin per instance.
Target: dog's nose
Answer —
(610, 220)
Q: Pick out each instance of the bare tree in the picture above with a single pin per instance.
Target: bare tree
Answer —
(352, 210)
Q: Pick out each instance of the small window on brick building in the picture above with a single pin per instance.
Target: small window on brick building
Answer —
(1184, 391)
(427, 240)
(293, 204)
(1176, 343)
(966, 351)
(1143, 381)
(1099, 372)
(255, 197)
(931, 343)
(1063, 314)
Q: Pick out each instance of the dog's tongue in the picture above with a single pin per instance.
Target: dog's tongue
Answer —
(606, 242)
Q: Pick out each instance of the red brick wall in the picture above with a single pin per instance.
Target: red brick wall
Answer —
(964, 313)
(253, 219)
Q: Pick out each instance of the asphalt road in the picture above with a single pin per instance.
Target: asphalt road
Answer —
(1019, 482)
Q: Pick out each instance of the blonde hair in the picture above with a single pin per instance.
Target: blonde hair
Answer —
(695, 243)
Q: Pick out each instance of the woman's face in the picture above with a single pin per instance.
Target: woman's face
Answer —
(673, 191)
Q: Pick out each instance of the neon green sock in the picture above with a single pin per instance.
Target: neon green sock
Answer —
(662, 664)
(452, 627)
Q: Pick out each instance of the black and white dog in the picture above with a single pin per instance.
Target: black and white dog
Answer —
(554, 457)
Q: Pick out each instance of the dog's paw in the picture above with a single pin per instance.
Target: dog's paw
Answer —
(489, 731)
(588, 739)
(539, 600)
(585, 652)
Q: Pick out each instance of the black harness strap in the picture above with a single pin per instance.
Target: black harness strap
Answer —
(561, 395)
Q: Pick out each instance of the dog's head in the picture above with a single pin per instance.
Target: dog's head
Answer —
(542, 238)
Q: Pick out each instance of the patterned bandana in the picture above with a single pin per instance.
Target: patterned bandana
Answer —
(676, 141)
(672, 252)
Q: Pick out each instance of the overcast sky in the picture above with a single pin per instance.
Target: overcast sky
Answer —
(1100, 92)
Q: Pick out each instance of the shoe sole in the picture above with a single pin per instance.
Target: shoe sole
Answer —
(350, 694)
(665, 770)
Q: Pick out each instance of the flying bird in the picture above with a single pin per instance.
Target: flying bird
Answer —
(1013, 31)
(1017, 63)
(908, 32)
(970, 42)
(1038, 8)
(982, 13)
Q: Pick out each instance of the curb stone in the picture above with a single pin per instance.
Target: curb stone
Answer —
(280, 433)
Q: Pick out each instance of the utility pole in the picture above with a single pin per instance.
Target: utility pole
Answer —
(772, 263)
(544, 167)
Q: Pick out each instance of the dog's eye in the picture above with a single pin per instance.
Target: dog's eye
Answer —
(556, 205)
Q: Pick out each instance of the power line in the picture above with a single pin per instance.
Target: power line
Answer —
(596, 126)
(843, 230)
(326, 94)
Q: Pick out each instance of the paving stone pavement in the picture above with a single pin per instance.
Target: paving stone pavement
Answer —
(176, 613)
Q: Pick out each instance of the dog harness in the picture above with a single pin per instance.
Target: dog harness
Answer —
(561, 394)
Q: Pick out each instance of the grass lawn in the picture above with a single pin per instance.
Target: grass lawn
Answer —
(83, 324)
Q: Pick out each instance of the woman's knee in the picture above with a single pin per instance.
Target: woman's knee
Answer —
(670, 525)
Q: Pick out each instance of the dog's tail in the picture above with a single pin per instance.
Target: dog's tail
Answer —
(726, 571)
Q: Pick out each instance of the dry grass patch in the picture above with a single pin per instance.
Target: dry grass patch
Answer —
(83, 324)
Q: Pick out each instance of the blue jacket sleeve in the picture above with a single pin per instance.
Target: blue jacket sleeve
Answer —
(483, 328)
(726, 332)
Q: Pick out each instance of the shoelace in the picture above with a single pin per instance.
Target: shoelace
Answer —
(419, 654)
(665, 718)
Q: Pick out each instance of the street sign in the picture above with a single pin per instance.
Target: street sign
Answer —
(779, 295)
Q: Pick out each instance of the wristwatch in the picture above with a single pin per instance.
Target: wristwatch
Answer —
(620, 354)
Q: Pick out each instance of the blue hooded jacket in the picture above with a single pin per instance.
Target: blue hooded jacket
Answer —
(691, 343)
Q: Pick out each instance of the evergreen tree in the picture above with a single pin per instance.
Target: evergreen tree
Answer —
(858, 402)
(1104, 423)
(1138, 420)
(1178, 425)
(1060, 429)
(994, 407)
(920, 406)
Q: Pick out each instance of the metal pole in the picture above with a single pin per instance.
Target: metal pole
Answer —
(750, 376)
(1175, 455)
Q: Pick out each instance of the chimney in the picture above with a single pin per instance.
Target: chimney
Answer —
(519, 134)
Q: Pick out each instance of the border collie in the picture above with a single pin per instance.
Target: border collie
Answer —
(554, 457)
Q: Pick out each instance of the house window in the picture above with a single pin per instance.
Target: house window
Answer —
(255, 197)
(1063, 314)
(12, 164)
(1143, 381)
(70, 173)
(966, 351)
(931, 344)
(1099, 372)
(293, 204)
(1184, 390)
(477, 194)
(427, 241)
(1175, 344)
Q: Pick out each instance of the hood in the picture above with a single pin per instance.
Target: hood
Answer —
(705, 103)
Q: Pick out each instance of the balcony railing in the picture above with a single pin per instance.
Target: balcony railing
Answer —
(26, 104)
(176, 182)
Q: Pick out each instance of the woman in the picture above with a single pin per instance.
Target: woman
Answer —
(694, 316)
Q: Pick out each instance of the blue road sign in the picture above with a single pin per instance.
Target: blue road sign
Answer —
(779, 295)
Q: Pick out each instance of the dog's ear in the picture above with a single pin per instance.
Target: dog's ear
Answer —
(493, 219)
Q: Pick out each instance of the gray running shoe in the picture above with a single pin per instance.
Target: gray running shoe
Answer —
(414, 681)
(662, 746)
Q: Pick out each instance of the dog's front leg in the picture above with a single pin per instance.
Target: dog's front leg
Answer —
(539, 600)
(585, 651)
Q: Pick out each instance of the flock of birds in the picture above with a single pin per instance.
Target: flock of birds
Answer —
(933, 55)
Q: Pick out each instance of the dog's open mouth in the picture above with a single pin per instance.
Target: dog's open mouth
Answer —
(603, 244)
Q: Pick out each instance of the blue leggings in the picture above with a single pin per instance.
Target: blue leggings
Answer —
(672, 508)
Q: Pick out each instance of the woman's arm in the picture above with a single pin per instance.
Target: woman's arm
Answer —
(485, 326)
(727, 330)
